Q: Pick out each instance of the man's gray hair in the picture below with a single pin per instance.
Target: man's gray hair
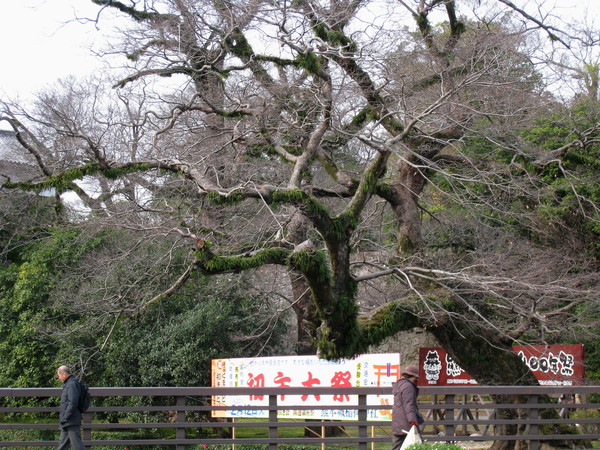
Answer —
(64, 369)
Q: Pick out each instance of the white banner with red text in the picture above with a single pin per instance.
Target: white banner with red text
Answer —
(380, 369)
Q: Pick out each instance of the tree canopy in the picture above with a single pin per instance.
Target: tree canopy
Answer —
(379, 166)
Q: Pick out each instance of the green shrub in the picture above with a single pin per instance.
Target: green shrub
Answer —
(29, 435)
(587, 428)
(256, 447)
(434, 446)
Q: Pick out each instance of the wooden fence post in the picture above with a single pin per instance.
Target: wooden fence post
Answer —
(449, 414)
(362, 417)
(180, 418)
(272, 418)
(87, 430)
(533, 413)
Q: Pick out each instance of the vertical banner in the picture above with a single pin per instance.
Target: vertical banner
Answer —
(559, 365)
(380, 369)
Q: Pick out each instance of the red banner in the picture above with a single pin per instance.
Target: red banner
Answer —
(560, 365)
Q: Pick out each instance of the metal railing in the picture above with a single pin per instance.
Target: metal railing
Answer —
(454, 414)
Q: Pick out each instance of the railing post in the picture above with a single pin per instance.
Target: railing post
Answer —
(449, 414)
(273, 418)
(180, 418)
(362, 417)
(533, 414)
(87, 430)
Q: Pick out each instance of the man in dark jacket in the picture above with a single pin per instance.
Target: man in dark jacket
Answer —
(405, 412)
(70, 416)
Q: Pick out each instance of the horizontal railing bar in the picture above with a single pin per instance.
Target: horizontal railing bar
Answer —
(121, 426)
(479, 406)
(519, 437)
(353, 423)
(196, 441)
(280, 424)
(93, 409)
(28, 409)
(14, 409)
(222, 391)
(461, 422)
(21, 444)
(422, 406)
(28, 426)
(312, 440)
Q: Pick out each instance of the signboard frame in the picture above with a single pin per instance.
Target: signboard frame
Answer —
(378, 369)
(554, 365)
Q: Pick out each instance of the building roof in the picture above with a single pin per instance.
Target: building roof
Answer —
(15, 164)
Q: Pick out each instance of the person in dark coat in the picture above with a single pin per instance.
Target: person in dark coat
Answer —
(70, 416)
(405, 412)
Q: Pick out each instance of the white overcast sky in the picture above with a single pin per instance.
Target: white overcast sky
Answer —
(40, 42)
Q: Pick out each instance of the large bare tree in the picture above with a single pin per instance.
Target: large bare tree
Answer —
(373, 150)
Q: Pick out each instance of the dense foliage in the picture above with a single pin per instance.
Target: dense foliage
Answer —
(169, 344)
(26, 353)
(569, 205)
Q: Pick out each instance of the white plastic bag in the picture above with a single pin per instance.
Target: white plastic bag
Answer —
(412, 437)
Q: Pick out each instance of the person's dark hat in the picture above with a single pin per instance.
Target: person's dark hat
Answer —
(411, 370)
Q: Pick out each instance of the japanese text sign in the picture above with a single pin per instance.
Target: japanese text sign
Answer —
(380, 369)
(561, 365)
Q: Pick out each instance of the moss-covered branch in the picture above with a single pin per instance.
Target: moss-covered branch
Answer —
(160, 72)
(212, 264)
(238, 45)
(310, 206)
(136, 14)
(368, 184)
(385, 322)
(377, 103)
(63, 181)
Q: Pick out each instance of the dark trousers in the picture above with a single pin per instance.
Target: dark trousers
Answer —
(397, 441)
(71, 437)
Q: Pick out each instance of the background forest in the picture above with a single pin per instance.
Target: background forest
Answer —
(269, 178)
